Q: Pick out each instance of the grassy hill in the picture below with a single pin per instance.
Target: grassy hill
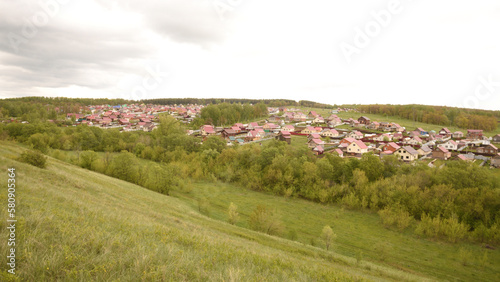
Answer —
(75, 224)
(408, 124)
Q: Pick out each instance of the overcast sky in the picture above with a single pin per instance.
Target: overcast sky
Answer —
(363, 51)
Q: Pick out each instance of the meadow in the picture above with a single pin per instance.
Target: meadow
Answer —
(74, 224)
(80, 225)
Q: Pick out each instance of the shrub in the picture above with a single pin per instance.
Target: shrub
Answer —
(232, 214)
(395, 216)
(34, 158)
(265, 220)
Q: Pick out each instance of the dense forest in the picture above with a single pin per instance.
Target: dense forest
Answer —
(267, 102)
(229, 114)
(463, 118)
(457, 202)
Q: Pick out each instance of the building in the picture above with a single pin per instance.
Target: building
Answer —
(495, 161)
(425, 151)
(445, 131)
(496, 138)
(284, 136)
(489, 149)
(364, 120)
(450, 145)
(357, 147)
(458, 134)
(407, 153)
(441, 153)
(474, 134)
(393, 147)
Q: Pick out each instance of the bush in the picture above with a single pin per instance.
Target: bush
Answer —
(265, 220)
(396, 216)
(34, 158)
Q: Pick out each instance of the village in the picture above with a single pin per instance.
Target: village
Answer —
(363, 136)
(322, 135)
(131, 117)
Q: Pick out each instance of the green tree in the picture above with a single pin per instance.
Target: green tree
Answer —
(233, 215)
(266, 220)
(34, 158)
(328, 236)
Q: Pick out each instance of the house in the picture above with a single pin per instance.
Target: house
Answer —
(424, 151)
(415, 141)
(254, 135)
(407, 153)
(269, 127)
(397, 136)
(458, 134)
(236, 128)
(496, 138)
(441, 153)
(385, 126)
(421, 131)
(284, 136)
(346, 142)
(329, 133)
(318, 150)
(382, 137)
(489, 149)
(474, 134)
(393, 147)
(445, 131)
(309, 130)
(334, 122)
(396, 127)
(463, 157)
(207, 130)
(355, 134)
(227, 132)
(252, 126)
(373, 125)
(339, 153)
(450, 145)
(288, 128)
(364, 120)
(313, 143)
(319, 119)
(312, 114)
(355, 123)
(274, 118)
(495, 161)
(313, 136)
(357, 147)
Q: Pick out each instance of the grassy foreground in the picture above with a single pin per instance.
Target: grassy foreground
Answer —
(75, 224)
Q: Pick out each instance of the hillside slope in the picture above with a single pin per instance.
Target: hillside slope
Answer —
(79, 225)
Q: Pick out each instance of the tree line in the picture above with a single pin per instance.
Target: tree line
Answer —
(446, 116)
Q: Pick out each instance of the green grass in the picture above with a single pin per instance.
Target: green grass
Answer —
(356, 231)
(80, 225)
(408, 124)
(75, 224)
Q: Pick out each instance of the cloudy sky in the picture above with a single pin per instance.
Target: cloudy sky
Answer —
(364, 51)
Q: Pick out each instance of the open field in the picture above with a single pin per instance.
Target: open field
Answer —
(75, 224)
(358, 232)
(408, 124)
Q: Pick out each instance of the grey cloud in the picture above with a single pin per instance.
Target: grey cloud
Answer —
(194, 21)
